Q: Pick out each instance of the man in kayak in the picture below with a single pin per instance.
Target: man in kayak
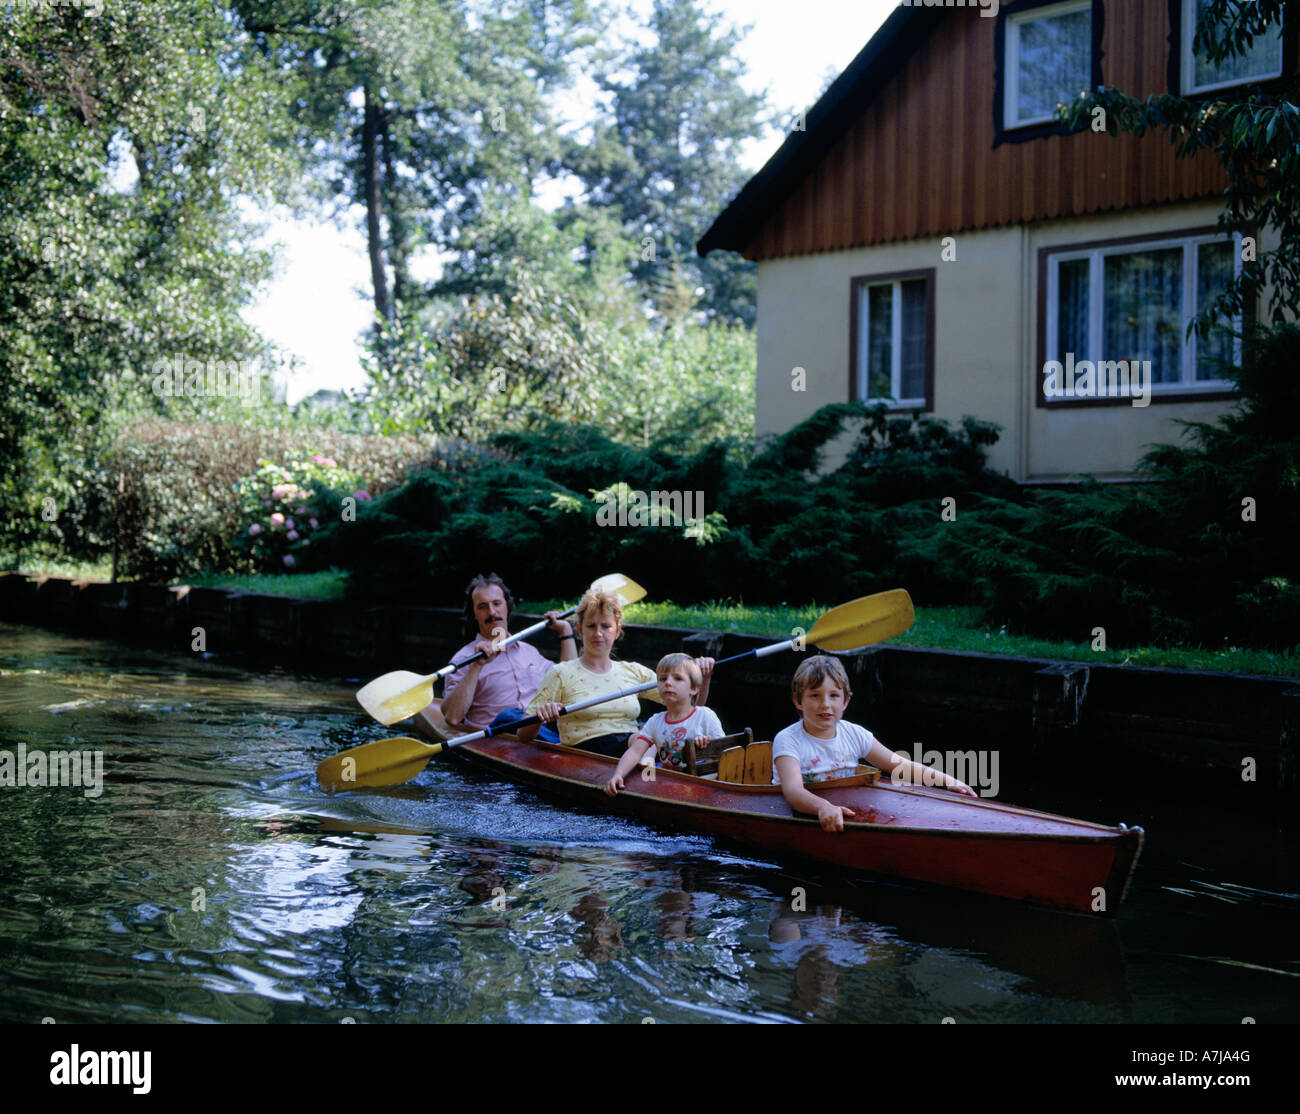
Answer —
(494, 690)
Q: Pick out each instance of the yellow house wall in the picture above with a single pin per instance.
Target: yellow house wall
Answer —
(986, 344)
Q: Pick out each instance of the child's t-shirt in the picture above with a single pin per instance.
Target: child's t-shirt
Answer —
(669, 736)
(822, 759)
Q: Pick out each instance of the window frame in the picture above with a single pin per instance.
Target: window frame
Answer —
(1185, 390)
(1182, 63)
(857, 333)
(1003, 132)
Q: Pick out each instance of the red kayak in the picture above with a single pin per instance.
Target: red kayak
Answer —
(905, 832)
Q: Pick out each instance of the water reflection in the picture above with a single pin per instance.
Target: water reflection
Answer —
(214, 880)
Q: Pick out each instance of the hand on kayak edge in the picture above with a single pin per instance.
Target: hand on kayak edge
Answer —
(831, 817)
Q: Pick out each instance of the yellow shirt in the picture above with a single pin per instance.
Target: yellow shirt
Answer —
(571, 682)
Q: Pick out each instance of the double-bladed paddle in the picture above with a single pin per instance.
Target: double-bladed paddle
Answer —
(399, 695)
(850, 626)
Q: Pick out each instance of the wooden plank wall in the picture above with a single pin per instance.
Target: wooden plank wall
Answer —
(920, 161)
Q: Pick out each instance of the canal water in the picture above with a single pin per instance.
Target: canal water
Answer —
(212, 879)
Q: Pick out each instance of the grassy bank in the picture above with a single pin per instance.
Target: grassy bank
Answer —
(942, 628)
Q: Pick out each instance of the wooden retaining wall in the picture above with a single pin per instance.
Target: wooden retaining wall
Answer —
(1188, 728)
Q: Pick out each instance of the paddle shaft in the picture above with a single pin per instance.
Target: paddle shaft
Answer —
(448, 670)
(510, 728)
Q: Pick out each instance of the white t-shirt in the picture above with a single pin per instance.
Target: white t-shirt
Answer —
(669, 736)
(822, 759)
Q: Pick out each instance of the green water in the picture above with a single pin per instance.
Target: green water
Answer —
(213, 880)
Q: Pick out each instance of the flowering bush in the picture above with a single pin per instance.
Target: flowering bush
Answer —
(284, 505)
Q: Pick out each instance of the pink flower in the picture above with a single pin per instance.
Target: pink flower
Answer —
(277, 519)
(279, 491)
(289, 561)
(254, 530)
(292, 535)
(323, 461)
(312, 523)
(361, 496)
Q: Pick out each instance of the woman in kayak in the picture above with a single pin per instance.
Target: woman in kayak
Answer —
(604, 728)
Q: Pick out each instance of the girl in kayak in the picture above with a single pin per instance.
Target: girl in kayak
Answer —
(604, 728)
(680, 680)
(821, 748)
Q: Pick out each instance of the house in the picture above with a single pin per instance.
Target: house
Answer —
(929, 236)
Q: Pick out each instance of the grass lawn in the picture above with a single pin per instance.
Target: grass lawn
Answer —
(942, 628)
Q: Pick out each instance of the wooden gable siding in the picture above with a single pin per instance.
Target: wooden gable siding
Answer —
(920, 161)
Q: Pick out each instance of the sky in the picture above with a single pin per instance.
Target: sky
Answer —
(319, 302)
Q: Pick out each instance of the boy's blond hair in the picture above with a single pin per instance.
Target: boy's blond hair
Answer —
(671, 661)
(598, 602)
(815, 671)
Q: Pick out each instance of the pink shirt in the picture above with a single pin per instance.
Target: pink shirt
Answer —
(509, 680)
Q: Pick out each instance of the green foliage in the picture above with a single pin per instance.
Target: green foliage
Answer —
(126, 143)
(502, 363)
(1202, 553)
(182, 509)
(667, 159)
(767, 531)
(495, 364)
(282, 505)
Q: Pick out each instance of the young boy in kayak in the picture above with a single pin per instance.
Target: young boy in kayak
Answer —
(666, 732)
(820, 747)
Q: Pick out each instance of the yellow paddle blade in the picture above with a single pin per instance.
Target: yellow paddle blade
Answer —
(628, 590)
(863, 621)
(396, 696)
(386, 762)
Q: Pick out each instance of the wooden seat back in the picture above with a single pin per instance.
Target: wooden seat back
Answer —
(706, 759)
(750, 764)
(758, 764)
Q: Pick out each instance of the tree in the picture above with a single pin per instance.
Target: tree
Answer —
(668, 159)
(425, 113)
(126, 144)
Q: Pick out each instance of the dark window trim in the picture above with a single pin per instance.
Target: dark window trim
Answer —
(1040, 400)
(1174, 74)
(927, 274)
(1003, 134)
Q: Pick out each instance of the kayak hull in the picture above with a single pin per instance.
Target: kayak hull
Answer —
(905, 832)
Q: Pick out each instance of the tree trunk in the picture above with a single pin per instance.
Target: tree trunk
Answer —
(396, 223)
(370, 165)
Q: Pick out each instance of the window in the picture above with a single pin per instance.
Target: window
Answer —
(1133, 301)
(893, 339)
(1048, 60)
(1262, 60)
